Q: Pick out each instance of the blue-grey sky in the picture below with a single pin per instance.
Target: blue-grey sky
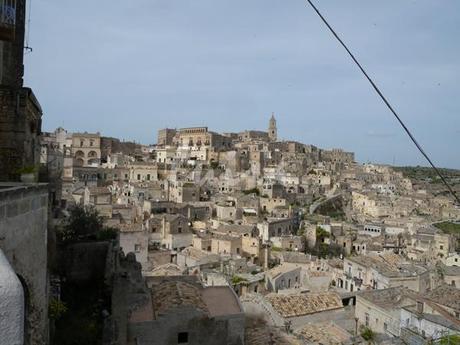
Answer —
(128, 68)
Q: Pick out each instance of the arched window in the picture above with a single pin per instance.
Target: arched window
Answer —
(92, 154)
(79, 154)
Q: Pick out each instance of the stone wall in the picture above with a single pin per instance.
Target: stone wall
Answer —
(84, 262)
(23, 239)
(11, 305)
(20, 112)
(20, 126)
(201, 330)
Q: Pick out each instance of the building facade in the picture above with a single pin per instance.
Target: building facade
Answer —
(20, 114)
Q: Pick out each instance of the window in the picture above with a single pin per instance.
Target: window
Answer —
(441, 247)
(179, 230)
(182, 337)
(420, 307)
(366, 315)
(148, 177)
(137, 248)
(138, 177)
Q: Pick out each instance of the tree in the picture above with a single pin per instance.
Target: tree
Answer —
(368, 334)
(85, 222)
(321, 234)
(324, 250)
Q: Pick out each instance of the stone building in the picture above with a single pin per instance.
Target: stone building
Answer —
(20, 115)
(289, 242)
(381, 310)
(275, 227)
(54, 147)
(200, 137)
(179, 310)
(226, 245)
(134, 239)
(175, 232)
(381, 272)
(184, 192)
(165, 136)
(166, 155)
(140, 171)
(86, 149)
(284, 276)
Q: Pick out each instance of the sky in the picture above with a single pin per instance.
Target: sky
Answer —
(128, 68)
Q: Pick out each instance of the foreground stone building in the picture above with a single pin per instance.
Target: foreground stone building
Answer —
(179, 310)
(20, 113)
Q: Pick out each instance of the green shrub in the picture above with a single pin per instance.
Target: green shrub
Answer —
(85, 223)
(27, 170)
(56, 309)
(237, 280)
(367, 334)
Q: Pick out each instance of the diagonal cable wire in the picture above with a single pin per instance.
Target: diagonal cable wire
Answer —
(419, 147)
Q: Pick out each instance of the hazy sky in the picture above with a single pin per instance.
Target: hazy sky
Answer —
(128, 68)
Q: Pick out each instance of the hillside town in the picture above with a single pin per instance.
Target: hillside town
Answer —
(229, 227)
(208, 238)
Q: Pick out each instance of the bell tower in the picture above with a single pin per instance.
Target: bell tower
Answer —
(272, 131)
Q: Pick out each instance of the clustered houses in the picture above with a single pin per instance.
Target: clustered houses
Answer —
(279, 229)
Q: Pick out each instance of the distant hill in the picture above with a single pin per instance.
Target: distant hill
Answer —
(428, 174)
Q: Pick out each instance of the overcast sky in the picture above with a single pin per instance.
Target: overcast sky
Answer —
(128, 68)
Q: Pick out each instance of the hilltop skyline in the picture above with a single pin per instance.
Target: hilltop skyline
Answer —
(229, 65)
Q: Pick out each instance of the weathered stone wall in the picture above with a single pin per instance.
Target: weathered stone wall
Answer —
(23, 239)
(201, 329)
(84, 262)
(20, 112)
(20, 125)
(11, 305)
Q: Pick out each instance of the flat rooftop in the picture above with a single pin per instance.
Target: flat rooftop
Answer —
(390, 298)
